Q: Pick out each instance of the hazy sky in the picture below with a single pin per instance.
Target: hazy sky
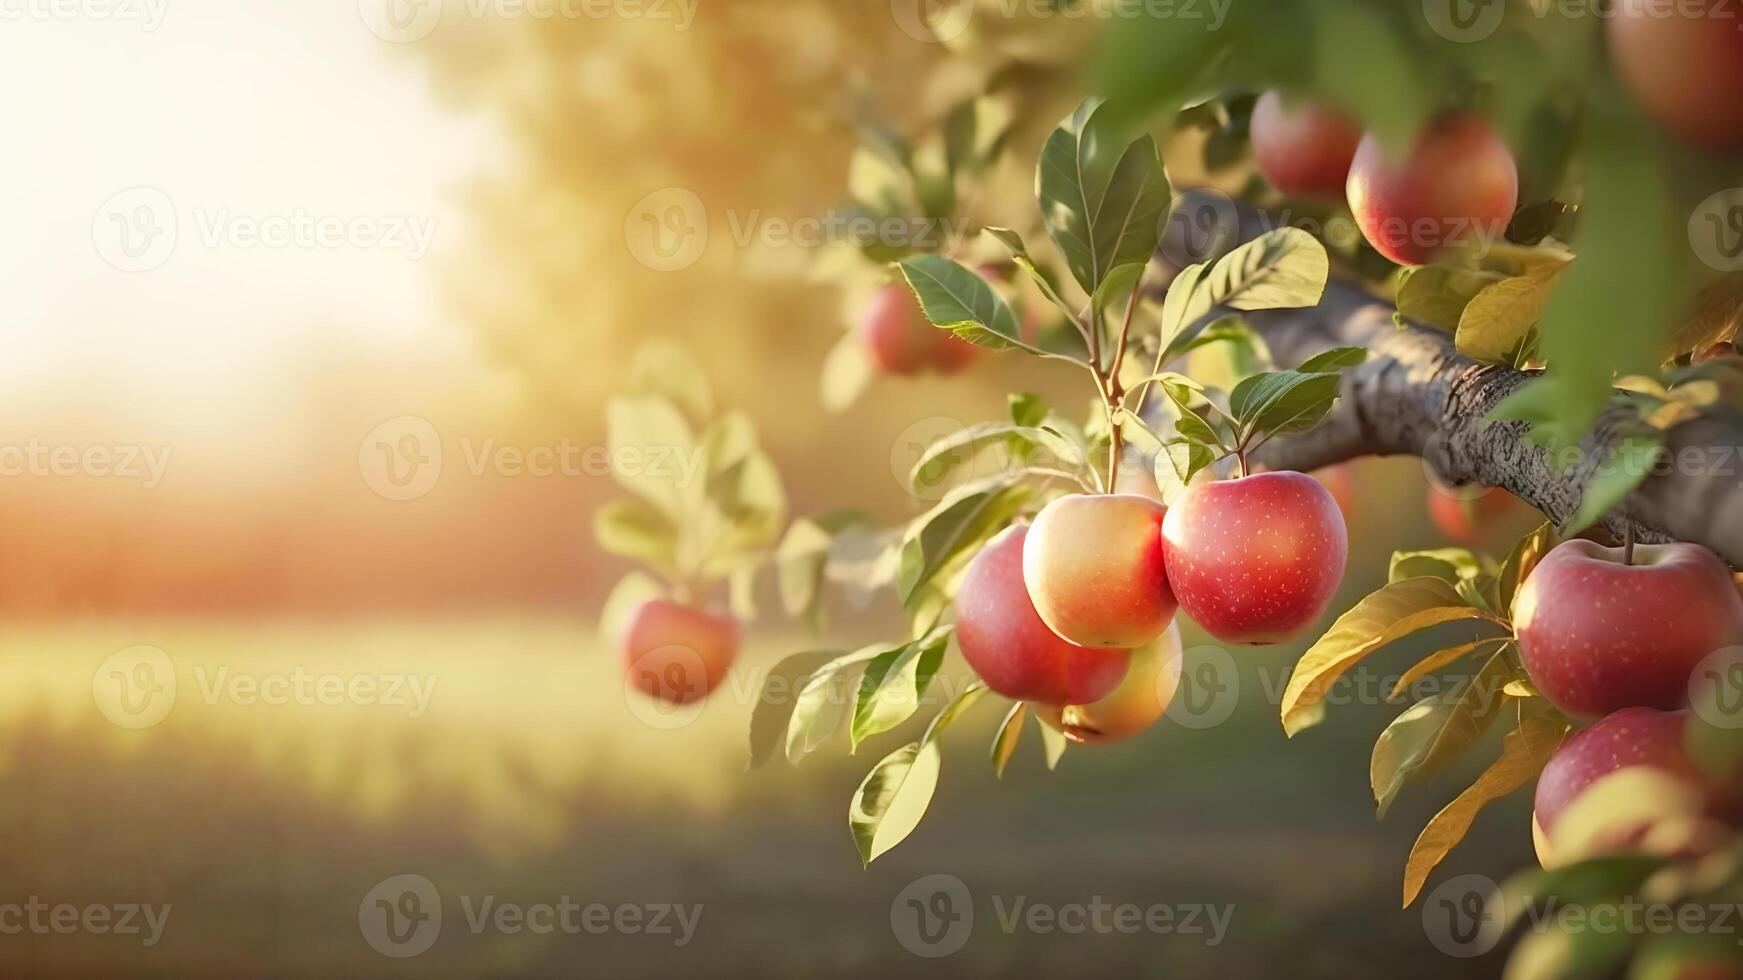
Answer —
(307, 173)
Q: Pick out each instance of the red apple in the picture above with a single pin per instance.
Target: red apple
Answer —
(1139, 701)
(1627, 783)
(1303, 150)
(1684, 63)
(675, 653)
(1255, 560)
(1465, 518)
(1004, 640)
(1723, 348)
(1597, 635)
(1455, 188)
(1093, 567)
(900, 340)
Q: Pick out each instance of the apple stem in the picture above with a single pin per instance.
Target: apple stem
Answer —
(1628, 543)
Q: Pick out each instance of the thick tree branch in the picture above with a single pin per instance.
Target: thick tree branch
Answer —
(1417, 395)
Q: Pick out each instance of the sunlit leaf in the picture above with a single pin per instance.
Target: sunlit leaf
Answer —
(1009, 734)
(632, 528)
(893, 684)
(1103, 198)
(894, 796)
(1395, 611)
(1435, 731)
(775, 700)
(1524, 752)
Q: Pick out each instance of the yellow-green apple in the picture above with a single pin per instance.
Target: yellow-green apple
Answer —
(1454, 189)
(1627, 783)
(1256, 559)
(899, 339)
(1139, 701)
(1093, 566)
(1304, 150)
(1597, 634)
(1462, 516)
(1004, 640)
(1675, 60)
(676, 653)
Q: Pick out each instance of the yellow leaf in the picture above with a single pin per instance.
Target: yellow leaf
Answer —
(1500, 317)
(1435, 296)
(1396, 610)
(1524, 752)
(1435, 661)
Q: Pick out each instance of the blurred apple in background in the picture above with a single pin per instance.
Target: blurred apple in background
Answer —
(675, 653)
(1303, 149)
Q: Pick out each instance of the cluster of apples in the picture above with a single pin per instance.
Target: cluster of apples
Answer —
(1457, 183)
(1075, 613)
(1618, 638)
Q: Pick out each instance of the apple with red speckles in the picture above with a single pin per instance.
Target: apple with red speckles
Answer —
(1570, 786)
(1256, 559)
(675, 653)
(899, 339)
(1003, 638)
(1598, 634)
(1139, 702)
(1093, 566)
(1303, 149)
(1454, 189)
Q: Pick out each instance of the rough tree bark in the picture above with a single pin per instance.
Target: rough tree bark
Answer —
(1417, 395)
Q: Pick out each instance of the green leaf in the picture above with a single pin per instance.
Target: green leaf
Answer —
(1009, 734)
(1501, 320)
(1627, 464)
(668, 370)
(802, 559)
(1037, 446)
(955, 528)
(894, 796)
(649, 429)
(775, 701)
(821, 702)
(957, 299)
(1282, 269)
(1118, 285)
(1435, 731)
(639, 530)
(1103, 199)
(1451, 564)
(1282, 402)
(1436, 295)
(893, 683)
(847, 373)
(1524, 752)
(1395, 611)
(1335, 359)
(1176, 465)
(1020, 255)
(1028, 409)
(1439, 659)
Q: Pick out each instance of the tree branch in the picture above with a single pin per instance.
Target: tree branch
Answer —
(1417, 395)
